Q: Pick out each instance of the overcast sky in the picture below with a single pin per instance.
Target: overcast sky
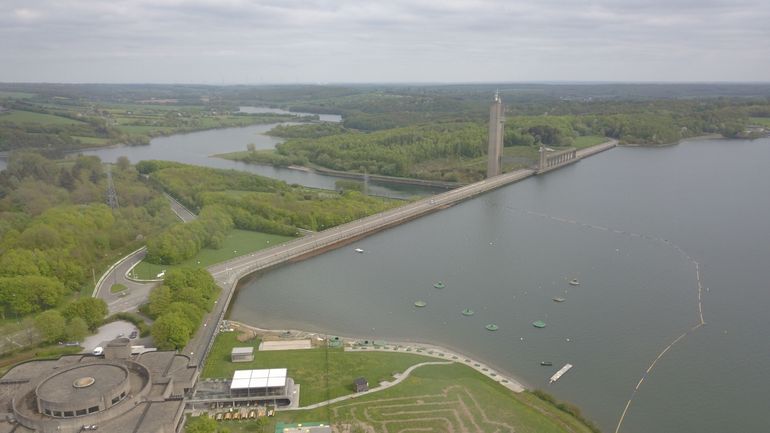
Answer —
(310, 41)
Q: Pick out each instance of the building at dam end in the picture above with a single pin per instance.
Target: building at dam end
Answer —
(495, 150)
(117, 392)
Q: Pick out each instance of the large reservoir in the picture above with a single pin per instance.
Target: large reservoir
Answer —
(630, 224)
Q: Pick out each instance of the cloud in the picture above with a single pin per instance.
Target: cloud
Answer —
(396, 40)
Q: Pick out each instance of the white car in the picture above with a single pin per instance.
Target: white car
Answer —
(98, 351)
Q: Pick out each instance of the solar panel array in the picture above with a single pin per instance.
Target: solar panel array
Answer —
(264, 378)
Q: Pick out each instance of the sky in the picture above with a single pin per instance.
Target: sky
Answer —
(351, 41)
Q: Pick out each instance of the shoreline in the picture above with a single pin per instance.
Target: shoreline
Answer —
(354, 344)
(680, 141)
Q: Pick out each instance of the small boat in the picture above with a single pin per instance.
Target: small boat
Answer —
(574, 282)
(468, 312)
(546, 363)
(559, 373)
(439, 285)
(559, 299)
(492, 327)
(538, 324)
(359, 250)
(420, 304)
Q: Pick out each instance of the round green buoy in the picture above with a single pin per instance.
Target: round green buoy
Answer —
(468, 312)
(420, 304)
(492, 327)
(538, 324)
(439, 285)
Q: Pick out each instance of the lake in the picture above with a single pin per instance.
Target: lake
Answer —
(198, 147)
(629, 224)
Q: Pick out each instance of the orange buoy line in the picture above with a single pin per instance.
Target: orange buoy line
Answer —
(689, 258)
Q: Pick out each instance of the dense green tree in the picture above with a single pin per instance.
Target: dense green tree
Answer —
(77, 329)
(92, 310)
(52, 325)
(23, 295)
(171, 331)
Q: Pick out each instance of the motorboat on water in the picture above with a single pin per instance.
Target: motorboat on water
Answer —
(546, 363)
(574, 282)
(559, 299)
(359, 250)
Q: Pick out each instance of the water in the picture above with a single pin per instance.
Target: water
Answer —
(503, 256)
(198, 147)
(322, 117)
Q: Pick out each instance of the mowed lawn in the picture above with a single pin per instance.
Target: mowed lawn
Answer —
(311, 368)
(764, 121)
(20, 116)
(237, 243)
(437, 398)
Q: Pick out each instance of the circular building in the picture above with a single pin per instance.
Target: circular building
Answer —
(83, 390)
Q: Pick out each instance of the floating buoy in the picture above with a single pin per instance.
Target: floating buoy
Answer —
(492, 327)
(420, 304)
(468, 312)
(439, 285)
(538, 324)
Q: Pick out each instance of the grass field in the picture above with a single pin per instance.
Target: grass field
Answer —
(764, 121)
(17, 95)
(237, 243)
(19, 116)
(589, 140)
(308, 367)
(435, 398)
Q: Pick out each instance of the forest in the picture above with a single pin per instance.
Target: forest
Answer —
(227, 199)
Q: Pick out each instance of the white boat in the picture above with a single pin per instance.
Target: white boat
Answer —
(359, 250)
(559, 373)
(574, 282)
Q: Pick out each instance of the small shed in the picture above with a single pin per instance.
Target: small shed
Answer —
(361, 384)
(242, 354)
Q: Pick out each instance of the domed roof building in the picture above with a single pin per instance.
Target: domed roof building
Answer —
(119, 392)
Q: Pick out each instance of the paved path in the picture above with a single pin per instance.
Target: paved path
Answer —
(383, 385)
(136, 293)
(182, 212)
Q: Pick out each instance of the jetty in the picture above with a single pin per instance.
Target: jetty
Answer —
(556, 376)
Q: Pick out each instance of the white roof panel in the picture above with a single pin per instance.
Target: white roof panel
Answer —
(241, 374)
(259, 382)
(239, 384)
(277, 372)
(276, 381)
(260, 373)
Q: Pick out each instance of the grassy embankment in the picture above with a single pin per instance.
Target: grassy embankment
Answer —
(764, 121)
(237, 243)
(308, 367)
(459, 394)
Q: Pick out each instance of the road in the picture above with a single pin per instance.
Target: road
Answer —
(136, 293)
(182, 212)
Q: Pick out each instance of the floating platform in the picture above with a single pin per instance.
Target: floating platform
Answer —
(468, 312)
(492, 327)
(559, 299)
(439, 284)
(420, 304)
(538, 324)
(559, 373)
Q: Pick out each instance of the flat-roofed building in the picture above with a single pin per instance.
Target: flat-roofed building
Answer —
(242, 354)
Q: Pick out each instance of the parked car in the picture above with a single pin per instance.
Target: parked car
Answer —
(133, 334)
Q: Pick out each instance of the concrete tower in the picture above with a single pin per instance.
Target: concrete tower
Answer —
(495, 152)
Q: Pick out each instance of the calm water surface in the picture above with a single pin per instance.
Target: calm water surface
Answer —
(198, 147)
(616, 221)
